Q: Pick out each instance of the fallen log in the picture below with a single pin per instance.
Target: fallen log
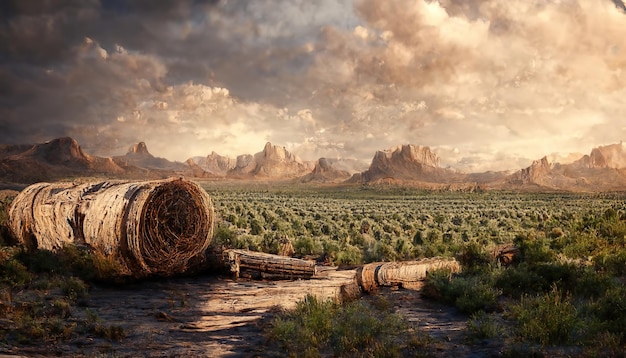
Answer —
(404, 274)
(250, 264)
(154, 227)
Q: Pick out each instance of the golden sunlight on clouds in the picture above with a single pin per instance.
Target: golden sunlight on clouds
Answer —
(487, 84)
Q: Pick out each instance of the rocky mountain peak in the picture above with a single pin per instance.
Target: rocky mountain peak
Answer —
(60, 150)
(534, 174)
(406, 162)
(272, 162)
(139, 148)
(276, 153)
(609, 156)
(404, 154)
(325, 172)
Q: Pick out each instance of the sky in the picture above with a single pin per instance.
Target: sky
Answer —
(486, 84)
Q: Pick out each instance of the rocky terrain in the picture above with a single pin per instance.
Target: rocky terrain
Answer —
(604, 169)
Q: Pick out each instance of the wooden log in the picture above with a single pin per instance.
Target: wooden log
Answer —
(399, 273)
(366, 277)
(404, 274)
(244, 263)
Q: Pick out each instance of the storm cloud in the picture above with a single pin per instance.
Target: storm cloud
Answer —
(487, 84)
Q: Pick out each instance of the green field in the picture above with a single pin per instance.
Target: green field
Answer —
(565, 287)
(353, 225)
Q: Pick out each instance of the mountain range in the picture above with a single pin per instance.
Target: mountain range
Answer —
(604, 169)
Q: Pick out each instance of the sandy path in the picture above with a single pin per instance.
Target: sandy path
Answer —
(213, 316)
(202, 316)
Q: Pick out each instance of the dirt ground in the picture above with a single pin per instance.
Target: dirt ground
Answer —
(221, 317)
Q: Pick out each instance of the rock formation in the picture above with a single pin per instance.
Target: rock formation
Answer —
(534, 174)
(273, 162)
(406, 163)
(139, 156)
(609, 156)
(325, 172)
(215, 164)
(603, 169)
(58, 158)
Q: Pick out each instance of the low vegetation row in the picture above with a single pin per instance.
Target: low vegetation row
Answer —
(564, 287)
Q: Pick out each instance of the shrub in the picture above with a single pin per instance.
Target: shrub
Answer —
(93, 324)
(475, 296)
(307, 246)
(469, 294)
(609, 312)
(74, 288)
(483, 325)
(474, 258)
(539, 278)
(13, 273)
(349, 255)
(316, 328)
(224, 236)
(550, 318)
(613, 263)
(534, 249)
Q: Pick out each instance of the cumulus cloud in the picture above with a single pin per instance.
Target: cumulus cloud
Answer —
(487, 84)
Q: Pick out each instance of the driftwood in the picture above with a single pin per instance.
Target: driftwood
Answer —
(405, 273)
(153, 227)
(244, 263)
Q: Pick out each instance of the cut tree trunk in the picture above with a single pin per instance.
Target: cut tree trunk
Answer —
(250, 264)
(407, 274)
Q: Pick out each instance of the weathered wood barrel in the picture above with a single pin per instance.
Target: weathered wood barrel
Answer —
(152, 227)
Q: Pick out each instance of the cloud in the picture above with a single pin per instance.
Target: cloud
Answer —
(488, 84)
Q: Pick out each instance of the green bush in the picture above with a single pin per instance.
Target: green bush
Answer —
(613, 263)
(608, 312)
(550, 318)
(534, 249)
(469, 294)
(74, 288)
(307, 246)
(474, 258)
(12, 272)
(484, 325)
(224, 236)
(476, 296)
(320, 328)
(537, 278)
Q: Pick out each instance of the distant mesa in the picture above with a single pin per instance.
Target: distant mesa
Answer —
(139, 149)
(139, 156)
(604, 169)
(609, 156)
(407, 163)
(61, 151)
(215, 164)
(325, 172)
(273, 162)
(58, 158)
(534, 174)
